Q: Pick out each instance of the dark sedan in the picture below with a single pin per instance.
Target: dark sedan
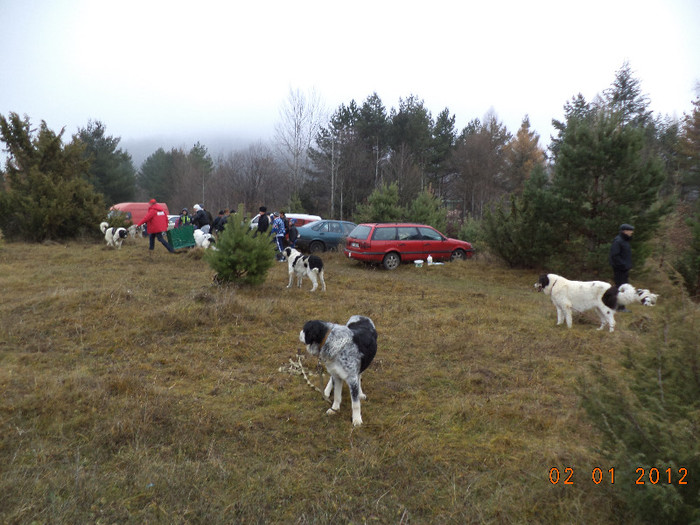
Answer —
(323, 235)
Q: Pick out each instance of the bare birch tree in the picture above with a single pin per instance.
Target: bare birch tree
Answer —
(301, 117)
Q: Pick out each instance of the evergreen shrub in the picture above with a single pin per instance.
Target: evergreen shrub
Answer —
(241, 254)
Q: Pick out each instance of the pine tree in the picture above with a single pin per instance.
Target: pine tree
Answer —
(382, 206)
(604, 180)
(241, 255)
(689, 150)
(523, 155)
(426, 208)
(111, 170)
(46, 194)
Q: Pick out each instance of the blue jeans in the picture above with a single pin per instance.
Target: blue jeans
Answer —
(159, 236)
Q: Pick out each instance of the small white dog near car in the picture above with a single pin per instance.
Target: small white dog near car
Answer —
(304, 265)
(113, 236)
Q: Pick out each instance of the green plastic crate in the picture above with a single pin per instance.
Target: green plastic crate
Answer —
(182, 237)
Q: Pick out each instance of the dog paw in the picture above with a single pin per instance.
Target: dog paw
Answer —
(331, 412)
(363, 397)
(356, 422)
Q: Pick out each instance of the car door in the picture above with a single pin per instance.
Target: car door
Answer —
(409, 243)
(433, 243)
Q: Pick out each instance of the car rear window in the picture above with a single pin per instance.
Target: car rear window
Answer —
(384, 234)
(360, 232)
(320, 226)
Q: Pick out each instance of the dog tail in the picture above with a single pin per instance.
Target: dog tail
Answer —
(610, 297)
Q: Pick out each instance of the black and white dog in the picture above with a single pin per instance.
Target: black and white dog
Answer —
(628, 294)
(580, 296)
(301, 265)
(113, 236)
(346, 351)
(135, 231)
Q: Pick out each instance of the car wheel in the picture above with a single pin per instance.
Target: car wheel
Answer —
(458, 255)
(391, 261)
(317, 246)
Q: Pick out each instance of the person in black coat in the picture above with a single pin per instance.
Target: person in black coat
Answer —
(621, 256)
(200, 220)
(263, 220)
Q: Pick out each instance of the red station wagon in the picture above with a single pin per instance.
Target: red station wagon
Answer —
(394, 243)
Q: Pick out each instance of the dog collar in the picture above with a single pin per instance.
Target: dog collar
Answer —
(323, 341)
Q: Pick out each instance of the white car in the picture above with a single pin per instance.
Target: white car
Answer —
(299, 218)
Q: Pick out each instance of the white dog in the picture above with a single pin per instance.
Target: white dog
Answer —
(113, 236)
(301, 265)
(134, 231)
(629, 295)
(580, 296)
(203, 240)
(346, 351)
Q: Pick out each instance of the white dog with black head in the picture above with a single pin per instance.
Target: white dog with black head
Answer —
(580, 296)
(113, 236)
(300, 265)
(346, 351)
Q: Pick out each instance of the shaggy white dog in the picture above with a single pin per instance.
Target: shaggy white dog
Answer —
(580, 296)
(203, 240)
(304, 265)
(628, 294)
(113, 236)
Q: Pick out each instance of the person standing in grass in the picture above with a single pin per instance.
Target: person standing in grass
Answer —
(184, 218)
(278, 231)
(293, 233)
(621, 257)
(156, 221)
(263, 220)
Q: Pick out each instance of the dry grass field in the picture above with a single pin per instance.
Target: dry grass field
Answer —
(135, 390)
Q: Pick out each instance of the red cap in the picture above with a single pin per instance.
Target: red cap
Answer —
(152, 201)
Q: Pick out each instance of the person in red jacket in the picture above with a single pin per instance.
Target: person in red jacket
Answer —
(156, 223)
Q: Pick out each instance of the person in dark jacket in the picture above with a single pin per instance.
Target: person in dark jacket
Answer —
(293, 233)
(621, 257)
(156, 221)
(220, 222)
(263, 220)
(184, 218)
(201, 220)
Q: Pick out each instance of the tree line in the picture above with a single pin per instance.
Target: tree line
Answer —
(612, 161)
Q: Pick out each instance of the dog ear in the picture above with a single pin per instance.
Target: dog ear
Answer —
(314, 332)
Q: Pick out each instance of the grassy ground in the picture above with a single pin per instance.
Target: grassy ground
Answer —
(134, 390)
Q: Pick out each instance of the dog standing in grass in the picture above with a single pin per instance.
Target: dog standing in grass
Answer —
(346, 351)
(113, 236)
(580, 296)
(300, 265)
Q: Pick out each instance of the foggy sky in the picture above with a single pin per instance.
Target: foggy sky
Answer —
(170, 73)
